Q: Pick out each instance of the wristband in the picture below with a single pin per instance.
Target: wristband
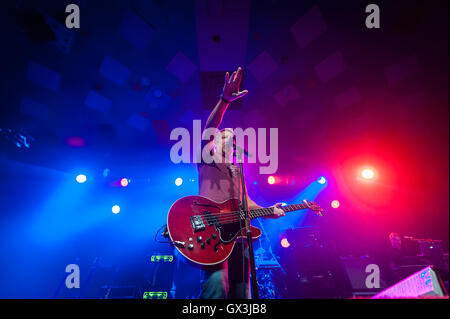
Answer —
(224, 99)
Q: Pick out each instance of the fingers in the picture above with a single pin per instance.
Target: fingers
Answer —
(236, 76)
(233, 76)
(281, 212)
(239, 78)
(277, 206)
(232, 83)
(242, 93)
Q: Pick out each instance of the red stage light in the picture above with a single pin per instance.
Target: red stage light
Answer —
(367, 173)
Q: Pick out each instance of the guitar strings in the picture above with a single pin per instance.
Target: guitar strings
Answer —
(227, 219)
(232, 214)
(231, 217)
(256, 212)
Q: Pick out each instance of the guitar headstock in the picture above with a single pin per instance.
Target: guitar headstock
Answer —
(314, 207)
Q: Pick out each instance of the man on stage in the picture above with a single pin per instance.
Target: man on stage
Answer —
(220, 181)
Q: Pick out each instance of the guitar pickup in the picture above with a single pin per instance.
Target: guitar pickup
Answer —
(197, 223)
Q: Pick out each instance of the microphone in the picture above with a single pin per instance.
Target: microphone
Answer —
(242, 150)
(232, 142)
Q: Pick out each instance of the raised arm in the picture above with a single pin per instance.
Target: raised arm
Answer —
(230, 93)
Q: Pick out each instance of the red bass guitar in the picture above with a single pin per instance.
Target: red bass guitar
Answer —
(205, 232)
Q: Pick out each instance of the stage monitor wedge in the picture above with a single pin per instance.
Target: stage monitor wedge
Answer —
(424, 283)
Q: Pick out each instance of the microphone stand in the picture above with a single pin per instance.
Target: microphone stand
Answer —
(251, 255)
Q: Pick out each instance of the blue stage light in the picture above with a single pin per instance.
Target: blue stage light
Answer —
(115, 209)
(322, 180)
(81, 178)
(124, 182)
(179, 181)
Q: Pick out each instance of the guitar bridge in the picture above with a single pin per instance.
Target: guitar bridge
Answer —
(197, 223)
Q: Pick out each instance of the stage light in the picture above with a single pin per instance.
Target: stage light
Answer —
(285, 243)
(115, 209)
(322, 180)
(81, 178)
(367, 173)
(335, 204)
(124, 182)
(271, 180)
(178, 181)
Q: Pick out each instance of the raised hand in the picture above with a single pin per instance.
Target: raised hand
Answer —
(231, 88)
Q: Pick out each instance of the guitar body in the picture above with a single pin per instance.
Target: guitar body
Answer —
(204, 231)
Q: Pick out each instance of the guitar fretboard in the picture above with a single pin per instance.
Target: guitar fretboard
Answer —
(254, 213)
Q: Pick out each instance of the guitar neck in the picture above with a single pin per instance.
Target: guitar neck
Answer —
(255, 213)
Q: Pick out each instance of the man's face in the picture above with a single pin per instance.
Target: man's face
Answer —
(225, 140)
(396, 241)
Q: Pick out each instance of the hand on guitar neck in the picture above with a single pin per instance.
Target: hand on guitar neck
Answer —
(277, 211)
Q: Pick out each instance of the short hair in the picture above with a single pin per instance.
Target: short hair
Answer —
(226, 129)
(229, 130)
(393, 234)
